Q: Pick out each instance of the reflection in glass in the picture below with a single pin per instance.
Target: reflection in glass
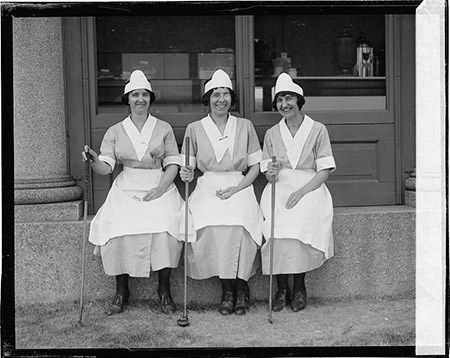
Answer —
(320, 53)
(177, 53)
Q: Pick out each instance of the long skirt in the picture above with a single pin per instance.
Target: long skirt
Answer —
(291, 256)
(138, 255)
(225, 251)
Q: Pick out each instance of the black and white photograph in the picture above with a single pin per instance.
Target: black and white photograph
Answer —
(225, 178)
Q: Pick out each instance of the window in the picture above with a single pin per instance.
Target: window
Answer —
(338, 60)
(177, 53)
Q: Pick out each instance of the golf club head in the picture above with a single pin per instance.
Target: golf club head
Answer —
(183, 322)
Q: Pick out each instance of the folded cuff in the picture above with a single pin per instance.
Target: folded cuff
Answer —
(108, 160)
(326, 163)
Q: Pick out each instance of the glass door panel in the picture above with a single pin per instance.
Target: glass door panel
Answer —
(339, 60)
(177, 54)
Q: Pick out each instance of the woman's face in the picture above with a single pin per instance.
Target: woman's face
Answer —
(287, 105)
(220, 101)
(139, 101)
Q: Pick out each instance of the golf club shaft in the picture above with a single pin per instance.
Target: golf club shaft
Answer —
(83, 255)
(186, 226)
(272, 229)
(185, 246)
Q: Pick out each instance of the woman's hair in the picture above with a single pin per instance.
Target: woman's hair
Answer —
(125, 96)
(207, 95)
(300, 99)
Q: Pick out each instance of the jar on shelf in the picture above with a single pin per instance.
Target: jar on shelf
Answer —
(345, 52)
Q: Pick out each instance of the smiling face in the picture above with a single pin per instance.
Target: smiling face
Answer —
(287, 105)
(220, 101)
(139, 101)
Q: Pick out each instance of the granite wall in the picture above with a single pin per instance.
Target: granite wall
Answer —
(374, 256)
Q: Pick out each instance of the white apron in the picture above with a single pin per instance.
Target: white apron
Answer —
(310, 221)
(125, 213)
(240, 209)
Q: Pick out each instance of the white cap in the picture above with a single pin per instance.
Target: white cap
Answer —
(219, 79)
(137, 81)
(285, 84)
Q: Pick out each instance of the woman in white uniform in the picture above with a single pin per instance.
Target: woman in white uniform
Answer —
(303, 204)
(225, 214)
(136, 229)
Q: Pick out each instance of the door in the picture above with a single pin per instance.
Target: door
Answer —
(357, 108)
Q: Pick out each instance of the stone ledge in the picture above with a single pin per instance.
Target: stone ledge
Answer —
(66, 211)
(47, 195)
(374, 256)
(410, 198)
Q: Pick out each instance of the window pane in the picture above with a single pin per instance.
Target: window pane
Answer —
(339, 60)
(177, 53)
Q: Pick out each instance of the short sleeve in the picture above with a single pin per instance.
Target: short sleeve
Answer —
(267, 152)
(192, 148)
(254, 152)
(171, 155)
(107, 148)
(323, 153)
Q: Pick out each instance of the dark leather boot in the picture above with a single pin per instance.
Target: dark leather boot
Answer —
(117, 303)
(166, 303)
(298, 301)
(281, 300)
(242, 303)
(227, 304)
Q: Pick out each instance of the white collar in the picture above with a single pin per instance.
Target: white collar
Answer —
(219, 142)
(140, 139)
(294, 145)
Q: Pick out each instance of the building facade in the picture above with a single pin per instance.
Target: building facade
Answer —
(70, 70)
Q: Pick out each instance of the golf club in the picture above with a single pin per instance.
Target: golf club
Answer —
(184, 321)
(87, 172)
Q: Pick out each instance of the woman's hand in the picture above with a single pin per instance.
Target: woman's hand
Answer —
(187, 174)
(273, 169)
(91, 152)
(227, 193)
(294, 198)
(153, 194)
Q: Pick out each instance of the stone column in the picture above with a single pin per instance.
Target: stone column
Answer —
(40, 146)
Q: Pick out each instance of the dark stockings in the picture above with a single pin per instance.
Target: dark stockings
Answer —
(164, 281)
(299, 282)
(234, 285)
(122, 284)
(227, 285)
(242, 286)
(282, 282)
